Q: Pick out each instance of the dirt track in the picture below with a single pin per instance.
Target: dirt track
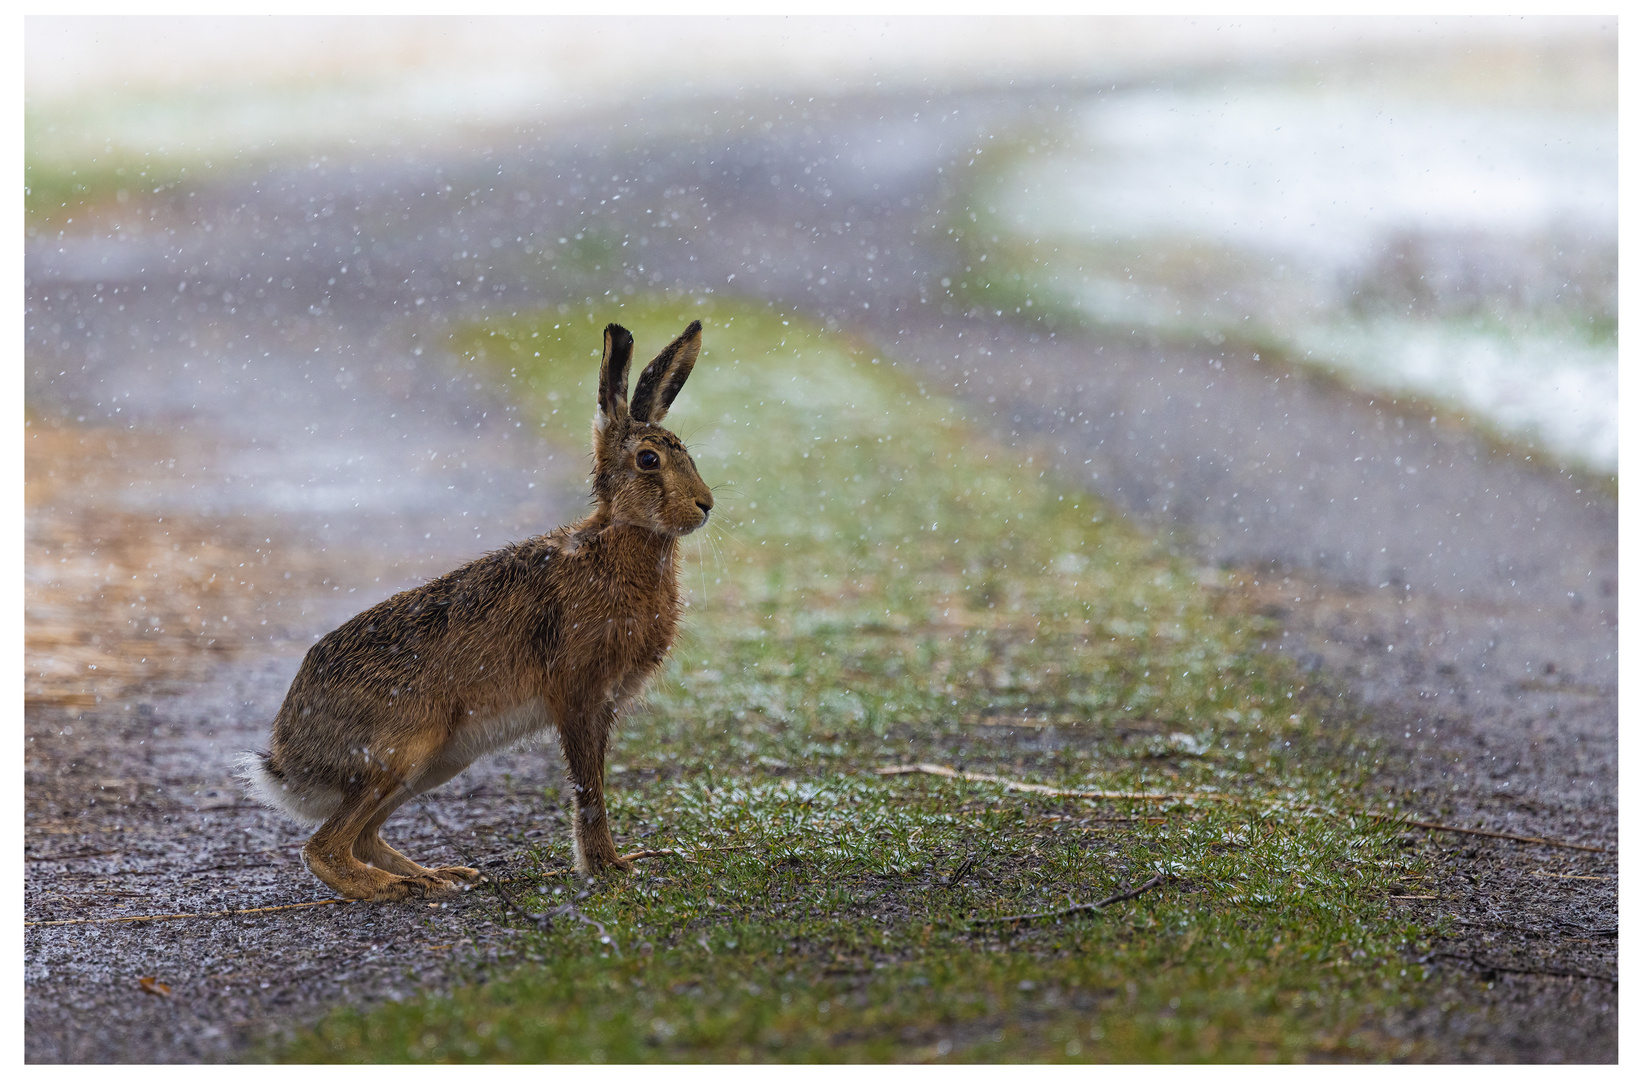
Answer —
(207, 398)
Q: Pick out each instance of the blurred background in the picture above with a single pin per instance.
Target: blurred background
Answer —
(1426, 206)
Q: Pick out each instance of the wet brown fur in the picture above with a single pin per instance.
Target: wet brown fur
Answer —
(559, 631)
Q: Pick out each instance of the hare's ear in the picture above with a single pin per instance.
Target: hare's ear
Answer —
(666, 375)
(613, 378)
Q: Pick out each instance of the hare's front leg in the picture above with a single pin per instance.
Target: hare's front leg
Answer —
(583, 737)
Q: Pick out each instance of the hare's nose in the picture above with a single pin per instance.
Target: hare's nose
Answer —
(705, 507)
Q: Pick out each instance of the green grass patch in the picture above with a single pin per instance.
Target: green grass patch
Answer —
(64, 177)
(883, 585)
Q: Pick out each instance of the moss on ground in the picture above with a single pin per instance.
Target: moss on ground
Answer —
(884, 586)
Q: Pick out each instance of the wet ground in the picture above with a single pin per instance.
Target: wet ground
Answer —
(176, 575)
(243, 429)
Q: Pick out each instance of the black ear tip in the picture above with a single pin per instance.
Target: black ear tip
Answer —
(695, 327)
(618, 334)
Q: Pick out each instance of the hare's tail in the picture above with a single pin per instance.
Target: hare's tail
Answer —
(300, 802)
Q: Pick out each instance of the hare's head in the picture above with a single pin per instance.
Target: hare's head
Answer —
(642, 474)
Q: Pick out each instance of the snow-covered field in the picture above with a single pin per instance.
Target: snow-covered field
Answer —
(1458, 243)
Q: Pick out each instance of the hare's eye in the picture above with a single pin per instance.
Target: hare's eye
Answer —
(648, 459)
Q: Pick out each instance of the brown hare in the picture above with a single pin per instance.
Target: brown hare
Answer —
(558, 631)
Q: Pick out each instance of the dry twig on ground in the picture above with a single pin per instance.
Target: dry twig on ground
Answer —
(1217, 796)
(1078, 909)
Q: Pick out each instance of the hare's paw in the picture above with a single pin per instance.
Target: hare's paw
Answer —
(460, 875)
(435, 881)
(610, 864)
(417, 886)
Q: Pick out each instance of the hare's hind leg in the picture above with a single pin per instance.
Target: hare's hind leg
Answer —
(331, 852)
(372, 849)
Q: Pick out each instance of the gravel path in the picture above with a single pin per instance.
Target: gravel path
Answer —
(238, 370)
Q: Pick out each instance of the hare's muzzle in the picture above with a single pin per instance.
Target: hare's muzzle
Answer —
(704, 505)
